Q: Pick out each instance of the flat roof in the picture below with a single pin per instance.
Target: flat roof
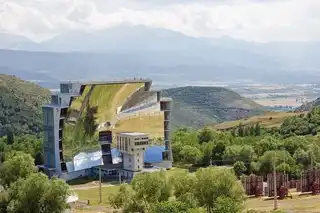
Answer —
(165, 99)
(125, 81)
(54, 106)
(133, 133)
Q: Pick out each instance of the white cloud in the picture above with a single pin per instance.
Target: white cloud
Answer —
(256, 20)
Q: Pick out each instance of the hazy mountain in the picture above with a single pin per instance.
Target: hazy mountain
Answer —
(165, 56)
(40, 78)
(9, 41)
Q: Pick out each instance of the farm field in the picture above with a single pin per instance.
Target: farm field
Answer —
(267, 119)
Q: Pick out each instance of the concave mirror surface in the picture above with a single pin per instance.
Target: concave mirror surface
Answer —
(125, 107)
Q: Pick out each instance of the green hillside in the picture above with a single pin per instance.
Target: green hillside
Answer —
(197, 106)
(20, 105)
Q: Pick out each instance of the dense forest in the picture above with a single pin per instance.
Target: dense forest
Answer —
(251, 149)
(20, 106)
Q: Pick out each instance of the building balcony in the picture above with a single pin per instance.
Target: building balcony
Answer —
(105, 139)
(106, 153)
(105, 142)
(60, 145)
(63, 113)
(64, 167)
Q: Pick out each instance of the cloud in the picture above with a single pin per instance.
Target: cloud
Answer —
(257, 20)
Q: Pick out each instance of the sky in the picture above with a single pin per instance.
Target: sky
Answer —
(251, 20)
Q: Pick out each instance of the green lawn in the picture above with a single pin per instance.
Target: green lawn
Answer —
(93, 194)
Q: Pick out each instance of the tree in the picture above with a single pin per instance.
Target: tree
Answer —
(151, 188)
(190, 154)
(218, 151)
(89, 123)
(185, 137)
(284, 168)
(257, 130)
(10, 137)
(252, 130)
(247, 154)
(240, 130)
(183, 184)
(38, 194)
(232, 153)
(29, 144)
(246, 131)
(239, 168)
(207, 149)
(169, 207)
(266, 161)
(293, 143)
(176, 149)
(266, 144)
(15, 167)
(227, 205)
(175, 207)
(233, 132)
(213, 183)
(124, 198)
(205, 135)
(301, 157)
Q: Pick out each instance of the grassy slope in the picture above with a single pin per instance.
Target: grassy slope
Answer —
(267, 119)
(20, 105)
(198, 106)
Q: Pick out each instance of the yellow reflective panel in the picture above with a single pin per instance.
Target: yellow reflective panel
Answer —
(119, 107)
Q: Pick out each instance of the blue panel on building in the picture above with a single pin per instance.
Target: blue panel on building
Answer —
(153, 154)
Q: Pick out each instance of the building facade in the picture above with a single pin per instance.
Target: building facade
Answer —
(56, 113)
(132, 147)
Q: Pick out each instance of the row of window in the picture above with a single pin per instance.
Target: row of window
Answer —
(145, 138)
(48, 116)
(140, 143)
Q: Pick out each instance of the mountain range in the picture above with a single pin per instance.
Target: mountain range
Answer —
(21, 101)
(166, 56)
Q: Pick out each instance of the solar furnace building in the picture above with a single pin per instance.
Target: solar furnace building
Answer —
(87, 123)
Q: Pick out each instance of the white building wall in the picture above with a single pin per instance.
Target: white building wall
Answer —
(128, 161)
(133, 152)
(139, 160)
(75, 88)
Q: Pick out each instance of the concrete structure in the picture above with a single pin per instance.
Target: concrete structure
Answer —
(56, 113)
(132, 146)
